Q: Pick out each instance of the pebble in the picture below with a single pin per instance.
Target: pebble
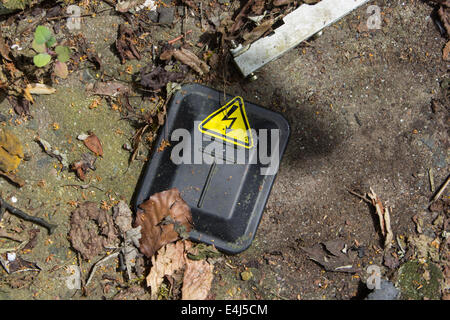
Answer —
(387, 291)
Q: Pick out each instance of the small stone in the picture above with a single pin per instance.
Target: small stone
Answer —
(246, 275)
(166, 15)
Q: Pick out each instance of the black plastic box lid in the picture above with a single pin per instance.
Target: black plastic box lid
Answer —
(226, 195)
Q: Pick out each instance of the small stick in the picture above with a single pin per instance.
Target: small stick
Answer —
(179, 37)
(431, 177)
(99, 262)
(13, 178)
(4, 205)
(441, 190)
(360, 196)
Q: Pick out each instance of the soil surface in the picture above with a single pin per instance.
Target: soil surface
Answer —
(359, 103)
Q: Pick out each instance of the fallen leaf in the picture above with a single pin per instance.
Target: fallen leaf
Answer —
(4, 48)
(332, 255)
(258, 31)
(164, 217)
(125, 44)
(110, 88)
(197, 280)
(158, 78)
(197, 277)
(39, 88)
(189, 58)
(11, 151)
(82, 166)
(20, 105)
(90, 238)
(169, 259)
(446, 52)
(93, 143)
(60, 69)
(123, 217)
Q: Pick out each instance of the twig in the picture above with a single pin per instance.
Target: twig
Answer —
(4, 205)
(384, 217)
(82, 186)
(360, 196)
(431, 178)
(99, 262)
(13, 178)
(441, 190)
(179, 37)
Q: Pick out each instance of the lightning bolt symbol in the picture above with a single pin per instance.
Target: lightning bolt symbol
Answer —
(228, 117)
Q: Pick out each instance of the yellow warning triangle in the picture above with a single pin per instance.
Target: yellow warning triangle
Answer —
(230, 124)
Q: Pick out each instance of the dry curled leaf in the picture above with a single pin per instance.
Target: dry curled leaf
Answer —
(332, 255)
(197, 281)
(11, 151)
(82, 166)
(163, 217)
(197, 277)
(110, 88)
(189, 58)
(91, 229)
(93, 143)
(125, 44)
(169, 259)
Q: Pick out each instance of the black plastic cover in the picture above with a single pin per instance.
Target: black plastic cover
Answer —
(227, 200)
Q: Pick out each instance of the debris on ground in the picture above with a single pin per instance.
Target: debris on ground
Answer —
(125, 44)
(333, 255)
(165, 217)
(81, 167)
(91, 230)
(11, 151)
(188, 58)
(123, 217)
(384, 219)
(172, 258)
(53, 152)
(13, 263)
(19, 213)
(92, 142)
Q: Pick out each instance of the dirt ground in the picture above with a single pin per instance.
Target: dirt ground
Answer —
(359, 106)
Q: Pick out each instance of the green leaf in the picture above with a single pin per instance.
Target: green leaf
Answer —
(41, 48)
(41, 59)
(60, 69)
(50, 42)
(63, 53)
(42, 35)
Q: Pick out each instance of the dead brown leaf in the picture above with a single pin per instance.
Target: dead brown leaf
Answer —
(197, 277)
(169, 259)
(82, 166)
(332, 255)
(189, 58)
(446, 52)
(4, 48)
(91, 229)
(170, 207)
(110, 88)
(258, 31)
(125, 44)
(93, 143)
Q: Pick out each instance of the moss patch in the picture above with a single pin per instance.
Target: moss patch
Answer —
(420, 281)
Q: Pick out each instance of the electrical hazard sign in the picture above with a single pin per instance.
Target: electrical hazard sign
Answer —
(230, 124)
